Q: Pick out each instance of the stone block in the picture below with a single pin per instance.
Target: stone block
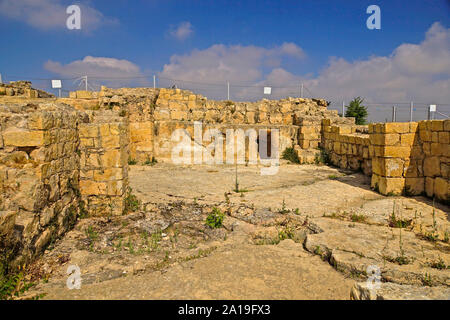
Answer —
(89, 187)
(415, 186)
(432, 166)
(393, 186)
(25, 138)
(395, 127)
(437, 125)
(441, 188)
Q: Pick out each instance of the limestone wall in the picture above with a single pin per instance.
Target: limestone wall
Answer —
(430, 160)
(22, 88)
(250, 135)
(104, 163)
(154, 113)
(409, 158)
(39, 174)
(347, 145)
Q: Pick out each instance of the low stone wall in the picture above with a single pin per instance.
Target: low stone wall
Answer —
(409, 158)
(104, 164)
(56, 165)
(430, 160)
(347, 148)
(391, 145)
(39, 174)
(22, 88)
(165, 142)
(152, 111)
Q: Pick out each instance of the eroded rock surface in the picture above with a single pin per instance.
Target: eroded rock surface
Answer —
(271, 246)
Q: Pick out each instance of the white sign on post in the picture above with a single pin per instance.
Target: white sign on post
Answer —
(56, 84)
(267, 90)
(432, 108)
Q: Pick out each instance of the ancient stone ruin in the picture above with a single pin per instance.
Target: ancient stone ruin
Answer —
(62, 158)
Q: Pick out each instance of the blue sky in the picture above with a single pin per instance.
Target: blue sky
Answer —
(248, 37)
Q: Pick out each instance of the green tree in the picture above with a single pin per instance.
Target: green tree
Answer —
(357, 110)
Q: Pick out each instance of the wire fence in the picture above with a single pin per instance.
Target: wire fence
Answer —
(240, 91)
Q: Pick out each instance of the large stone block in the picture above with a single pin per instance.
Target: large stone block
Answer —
(393, 186)
(431, 166)
(388, 167)
(89, 187)
(441, 188)
(425, 135)
(395, 151)
(407, 139)
(395, 127)
(25, 138)
(108, 174)
(415, 186)
(437, 125)
(83, 94)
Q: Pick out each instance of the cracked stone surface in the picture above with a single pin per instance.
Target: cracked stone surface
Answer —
(309, 232)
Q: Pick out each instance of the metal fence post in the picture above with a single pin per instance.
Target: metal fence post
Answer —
(1, 78)
(154, 82)
(411, 106)
(343, 109)
(394, 116)
(228, 90)
(301, 91)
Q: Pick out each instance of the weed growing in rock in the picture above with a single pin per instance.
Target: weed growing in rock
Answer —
(155, 238)
(291, 155)
(427, 280)
(398, 223)
(432, 236)
(151, 162)
(283, 209)
(13, 285)
(131, 161)
(215, 218)
(91, 233)
(439, 264)
(131, 202)
(358, 217)
(286, 233)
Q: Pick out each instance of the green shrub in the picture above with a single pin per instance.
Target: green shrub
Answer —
(215, 218)
(291, 155)
(356, 110)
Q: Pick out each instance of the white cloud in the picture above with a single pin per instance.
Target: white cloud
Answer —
(220, 63)
(51, 14)
(418, 72)
(182, 31)
(100, 70)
